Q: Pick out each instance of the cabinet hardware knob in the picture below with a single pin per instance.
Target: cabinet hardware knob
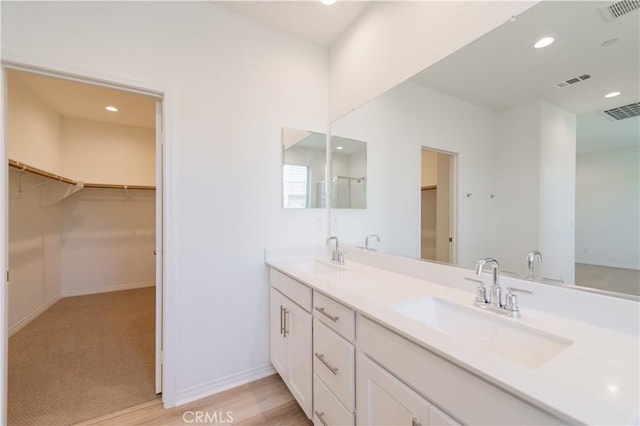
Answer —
(331, 368)
(331, 317)
(414, 422)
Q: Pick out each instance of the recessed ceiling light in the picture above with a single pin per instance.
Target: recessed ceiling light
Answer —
(339, 148)
(327, 2)
(612, 95)
(544, 42)
(111, 108)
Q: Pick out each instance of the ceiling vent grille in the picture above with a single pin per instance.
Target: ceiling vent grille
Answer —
(573, 80)
(625, 111)
(618, 9)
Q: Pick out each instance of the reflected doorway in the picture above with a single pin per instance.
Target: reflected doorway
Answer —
(436, 206)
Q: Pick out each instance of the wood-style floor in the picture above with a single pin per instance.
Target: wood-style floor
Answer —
(263, 402)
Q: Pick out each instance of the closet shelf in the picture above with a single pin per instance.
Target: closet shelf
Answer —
(43, 173)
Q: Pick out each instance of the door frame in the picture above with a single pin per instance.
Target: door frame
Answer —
(163, 382)
(453, 202)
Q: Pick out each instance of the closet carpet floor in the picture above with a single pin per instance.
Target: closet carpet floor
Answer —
(84, 357)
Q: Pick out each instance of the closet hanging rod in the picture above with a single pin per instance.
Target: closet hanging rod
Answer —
(112, 186)
(39, 172)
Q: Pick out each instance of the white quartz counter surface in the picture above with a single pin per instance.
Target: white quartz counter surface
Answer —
(594, 380)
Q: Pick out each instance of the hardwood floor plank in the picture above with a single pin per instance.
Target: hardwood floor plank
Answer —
(262, 402)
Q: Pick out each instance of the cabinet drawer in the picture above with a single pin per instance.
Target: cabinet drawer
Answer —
(326, 408)
(294, 290)
(448, 386)
(333, 362)
(335, 315)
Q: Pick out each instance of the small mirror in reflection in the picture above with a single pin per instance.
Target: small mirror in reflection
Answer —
(303, 165)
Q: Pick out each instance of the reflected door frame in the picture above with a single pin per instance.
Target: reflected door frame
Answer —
(453, 192)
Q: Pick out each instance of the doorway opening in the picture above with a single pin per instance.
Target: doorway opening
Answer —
(437, 206)
(85, 239)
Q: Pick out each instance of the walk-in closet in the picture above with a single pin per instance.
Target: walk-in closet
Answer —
(82, 249)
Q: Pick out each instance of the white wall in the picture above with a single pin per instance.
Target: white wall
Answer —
(518, 189)
(230, 86)
(34, 251)
(34, 128)
(107, 153)
(392, 41)
(396, 126)
(33, 137)
(537, 149)
(557, 193)
(607, 208)
(108, 239)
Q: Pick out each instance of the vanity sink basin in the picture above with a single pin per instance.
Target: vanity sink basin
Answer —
(317, 267)
(501, 336)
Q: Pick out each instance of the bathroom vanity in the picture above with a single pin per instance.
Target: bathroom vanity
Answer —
(366, 344)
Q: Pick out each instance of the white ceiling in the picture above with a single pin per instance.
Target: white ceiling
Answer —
(502, 69)
(84, 101)
(310, 20)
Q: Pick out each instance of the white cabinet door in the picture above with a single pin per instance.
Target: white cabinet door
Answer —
(279, 350)
(384, 400)
(297, 329)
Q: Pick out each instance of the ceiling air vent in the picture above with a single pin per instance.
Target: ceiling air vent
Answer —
(625, 111)
(618, 9)
(573, 80)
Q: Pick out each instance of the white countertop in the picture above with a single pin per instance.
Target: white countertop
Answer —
(595, 380)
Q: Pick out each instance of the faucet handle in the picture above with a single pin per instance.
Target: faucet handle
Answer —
(481, 291)
(511, 302)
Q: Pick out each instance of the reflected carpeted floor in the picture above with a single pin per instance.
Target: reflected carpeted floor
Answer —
(84, 357)
(619, 280)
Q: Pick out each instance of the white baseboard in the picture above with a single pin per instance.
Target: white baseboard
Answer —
(222, 384)
(106, 289)
(33, 315)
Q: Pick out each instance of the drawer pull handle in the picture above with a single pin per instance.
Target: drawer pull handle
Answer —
(321, 417)
(323, 312)
(281, 319)
(414, 422)
(333, 369)
(284, 327)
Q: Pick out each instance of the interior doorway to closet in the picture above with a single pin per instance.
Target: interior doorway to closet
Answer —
(436, 206)
(85, 205)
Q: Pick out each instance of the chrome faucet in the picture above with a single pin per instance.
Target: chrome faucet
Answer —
(494, 298)
(366, 240)
(531, 257)
(336, 255)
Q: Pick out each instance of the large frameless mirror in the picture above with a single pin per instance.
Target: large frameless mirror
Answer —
(533, 150)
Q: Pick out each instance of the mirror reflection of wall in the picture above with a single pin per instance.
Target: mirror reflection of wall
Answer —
(303, 168)
(607, 175)
(349, 173)
(513, 116)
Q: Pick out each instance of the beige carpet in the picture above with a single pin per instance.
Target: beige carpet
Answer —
(84, 357)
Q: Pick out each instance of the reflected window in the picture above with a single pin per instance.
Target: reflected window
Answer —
(295, 186)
